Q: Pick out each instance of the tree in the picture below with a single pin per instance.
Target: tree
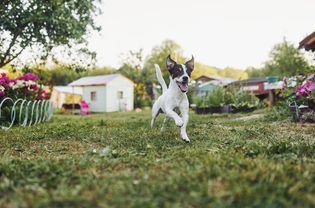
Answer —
(132, 68)
(44, 25)
(285, 60)
(132, 65)
(233, 73)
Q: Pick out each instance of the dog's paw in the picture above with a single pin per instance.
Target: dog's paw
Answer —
(185, 137)
(179, 122)
(186, 140)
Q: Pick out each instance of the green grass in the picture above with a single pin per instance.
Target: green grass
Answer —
(116, 160)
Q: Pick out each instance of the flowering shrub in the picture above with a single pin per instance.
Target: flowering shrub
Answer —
(24, 87)
(300, 90)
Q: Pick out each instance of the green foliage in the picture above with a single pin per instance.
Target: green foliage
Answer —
(279, 112)
(236, 74)
(45, 25)
(115, 160)
(202, 69)
(62, 74)
(285, 60)
(214, 98)
(243, 99)
(99, 71)
(219, 96)
(255, 72)
(132, 68)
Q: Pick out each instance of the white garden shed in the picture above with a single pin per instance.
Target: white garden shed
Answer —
(107, 93)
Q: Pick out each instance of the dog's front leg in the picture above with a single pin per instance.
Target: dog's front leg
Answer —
(183, 132)
(172, 114)
(185, 116)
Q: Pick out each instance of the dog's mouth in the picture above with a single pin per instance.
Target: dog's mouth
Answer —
(183, 86)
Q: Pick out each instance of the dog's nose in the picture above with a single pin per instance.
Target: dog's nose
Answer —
(185, 78)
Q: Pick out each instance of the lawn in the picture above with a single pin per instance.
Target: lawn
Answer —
(116, 160)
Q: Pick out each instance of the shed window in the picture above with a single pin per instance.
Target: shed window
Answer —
(93, 96)
(120, 94)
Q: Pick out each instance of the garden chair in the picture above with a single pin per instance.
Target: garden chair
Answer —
(85, 109)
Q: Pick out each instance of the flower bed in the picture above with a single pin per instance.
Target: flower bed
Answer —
(23, 101)
(299, 93)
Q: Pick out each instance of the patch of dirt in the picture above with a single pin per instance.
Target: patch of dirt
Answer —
(251, 117)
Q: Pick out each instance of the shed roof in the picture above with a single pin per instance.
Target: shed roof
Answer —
(249, 81)
(94, 80)
(223, 80)
(69, 90)
(308, 43)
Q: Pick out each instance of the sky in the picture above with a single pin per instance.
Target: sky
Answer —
(221, 33)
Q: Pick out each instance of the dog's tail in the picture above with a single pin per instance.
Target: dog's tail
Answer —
(160, 77)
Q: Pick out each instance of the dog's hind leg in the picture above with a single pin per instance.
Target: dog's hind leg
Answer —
(155, 113)
(166, 119)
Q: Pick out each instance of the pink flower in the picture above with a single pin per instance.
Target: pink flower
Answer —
(44, 93)
(300, 90)
(310, 86)
(310, 77)
(305, 88)
(28, 77)
(4, 80)
(34, 87)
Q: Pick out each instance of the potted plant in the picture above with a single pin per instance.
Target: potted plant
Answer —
(211, 103)
(299, 93)
(244, 102)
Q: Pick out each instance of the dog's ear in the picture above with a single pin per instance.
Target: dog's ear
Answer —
(190, 64)
(170, 63)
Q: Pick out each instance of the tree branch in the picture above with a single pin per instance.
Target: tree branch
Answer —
(4, 62)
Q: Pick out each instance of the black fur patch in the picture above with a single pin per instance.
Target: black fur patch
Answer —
(177, 71)
(188, 71)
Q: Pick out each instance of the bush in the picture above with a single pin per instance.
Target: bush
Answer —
(214, 98)
(242, 99)
(278, 112)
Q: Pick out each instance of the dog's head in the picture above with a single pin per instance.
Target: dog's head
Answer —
(180, 73)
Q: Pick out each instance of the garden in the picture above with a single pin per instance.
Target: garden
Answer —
(116, 160)
(246, 150)
(23, 101)
(296, 99)
(259, 157)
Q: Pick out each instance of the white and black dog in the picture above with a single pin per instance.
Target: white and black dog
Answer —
(174, 97)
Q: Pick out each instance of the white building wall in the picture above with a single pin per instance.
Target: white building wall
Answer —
(58, 99)
(124, 85)
(99, 105)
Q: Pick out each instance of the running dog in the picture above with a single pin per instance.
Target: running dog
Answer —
(174, 97)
